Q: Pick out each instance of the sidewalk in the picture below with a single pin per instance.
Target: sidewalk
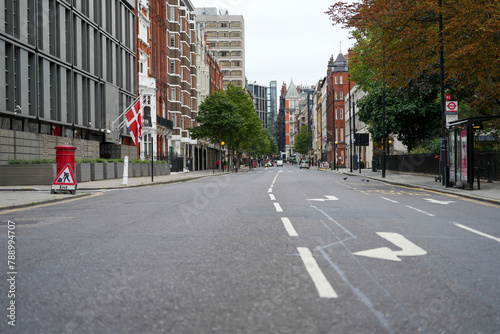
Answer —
(22, 196)
(489, 192)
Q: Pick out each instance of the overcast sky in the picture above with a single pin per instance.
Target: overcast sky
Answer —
(286, 39)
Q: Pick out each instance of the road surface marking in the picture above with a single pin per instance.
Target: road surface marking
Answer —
(324, 288)
(477, 232)
(289, 227)
(328, 198)
(435, 201)
(272, 197)
(270, 190)
(421, 211)
(408, 248)
(387, 199)
(278, 207)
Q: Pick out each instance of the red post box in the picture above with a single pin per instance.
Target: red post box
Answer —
(65, 155)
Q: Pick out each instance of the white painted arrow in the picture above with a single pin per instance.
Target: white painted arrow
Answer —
(435, 201)
(328, 198)
(408, 248)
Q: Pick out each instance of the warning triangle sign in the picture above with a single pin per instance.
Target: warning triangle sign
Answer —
(65, 177)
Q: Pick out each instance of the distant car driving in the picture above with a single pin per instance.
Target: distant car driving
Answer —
(279, 163)
(304, 164)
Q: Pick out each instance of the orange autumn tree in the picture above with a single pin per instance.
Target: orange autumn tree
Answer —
(398, 41)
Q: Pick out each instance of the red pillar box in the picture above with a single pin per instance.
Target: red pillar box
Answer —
(65, 161)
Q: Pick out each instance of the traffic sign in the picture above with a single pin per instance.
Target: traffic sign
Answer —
(65, 180)
(448, 97)
(452, 107)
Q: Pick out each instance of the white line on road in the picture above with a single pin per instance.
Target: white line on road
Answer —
(278, 207)
(289, 227)
(387, 199)
(324, 288)
(421, 211)
(270, 190)
(272, 197)
(477, 232)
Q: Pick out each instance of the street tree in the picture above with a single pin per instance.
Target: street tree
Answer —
(400, 41)
(217, 120)
(413, 116)
(250, 128)
(302, 141)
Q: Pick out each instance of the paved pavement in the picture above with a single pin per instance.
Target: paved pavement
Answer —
(16, 197)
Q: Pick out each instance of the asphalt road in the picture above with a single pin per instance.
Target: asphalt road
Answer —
(277, 250)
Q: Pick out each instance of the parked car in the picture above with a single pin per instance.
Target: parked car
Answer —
(304, 164)
(269, 164)
(279, 163)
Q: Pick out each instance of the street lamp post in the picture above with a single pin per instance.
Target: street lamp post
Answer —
(336, 162)
(350, 122)
(333, 113)
(222, 155)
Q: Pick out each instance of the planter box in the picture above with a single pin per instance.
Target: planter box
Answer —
(109, 170)
(146, 169)
(163, 169)
(83, 172)
(119, 170)
(96, 171)
(25, 175)
(134, 169)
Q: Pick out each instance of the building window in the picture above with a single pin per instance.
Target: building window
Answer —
(174, 120)
(235, 24)
(173, 95)
(341, 113)
(224, 25)
(172, 66)
(172, 14)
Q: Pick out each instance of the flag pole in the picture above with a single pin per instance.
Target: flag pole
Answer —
(130, 106)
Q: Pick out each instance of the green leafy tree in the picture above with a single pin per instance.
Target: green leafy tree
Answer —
(413, 116)
(400, 40)
(217, 119)
(302, 141)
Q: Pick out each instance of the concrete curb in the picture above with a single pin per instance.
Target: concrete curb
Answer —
(81, 191)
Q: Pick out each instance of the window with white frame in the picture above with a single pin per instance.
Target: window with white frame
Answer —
(173, 94)
(172, 66)
(174, 119)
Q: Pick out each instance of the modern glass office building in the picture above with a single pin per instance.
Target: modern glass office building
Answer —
(68, 68)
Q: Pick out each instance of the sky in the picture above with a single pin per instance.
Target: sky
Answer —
(286, 39)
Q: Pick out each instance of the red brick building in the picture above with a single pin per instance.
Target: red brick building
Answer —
(337, 89)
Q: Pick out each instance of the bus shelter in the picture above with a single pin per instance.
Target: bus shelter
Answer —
(461, 150)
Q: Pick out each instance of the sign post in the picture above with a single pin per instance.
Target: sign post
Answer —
(451, 111)
(65, 180)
